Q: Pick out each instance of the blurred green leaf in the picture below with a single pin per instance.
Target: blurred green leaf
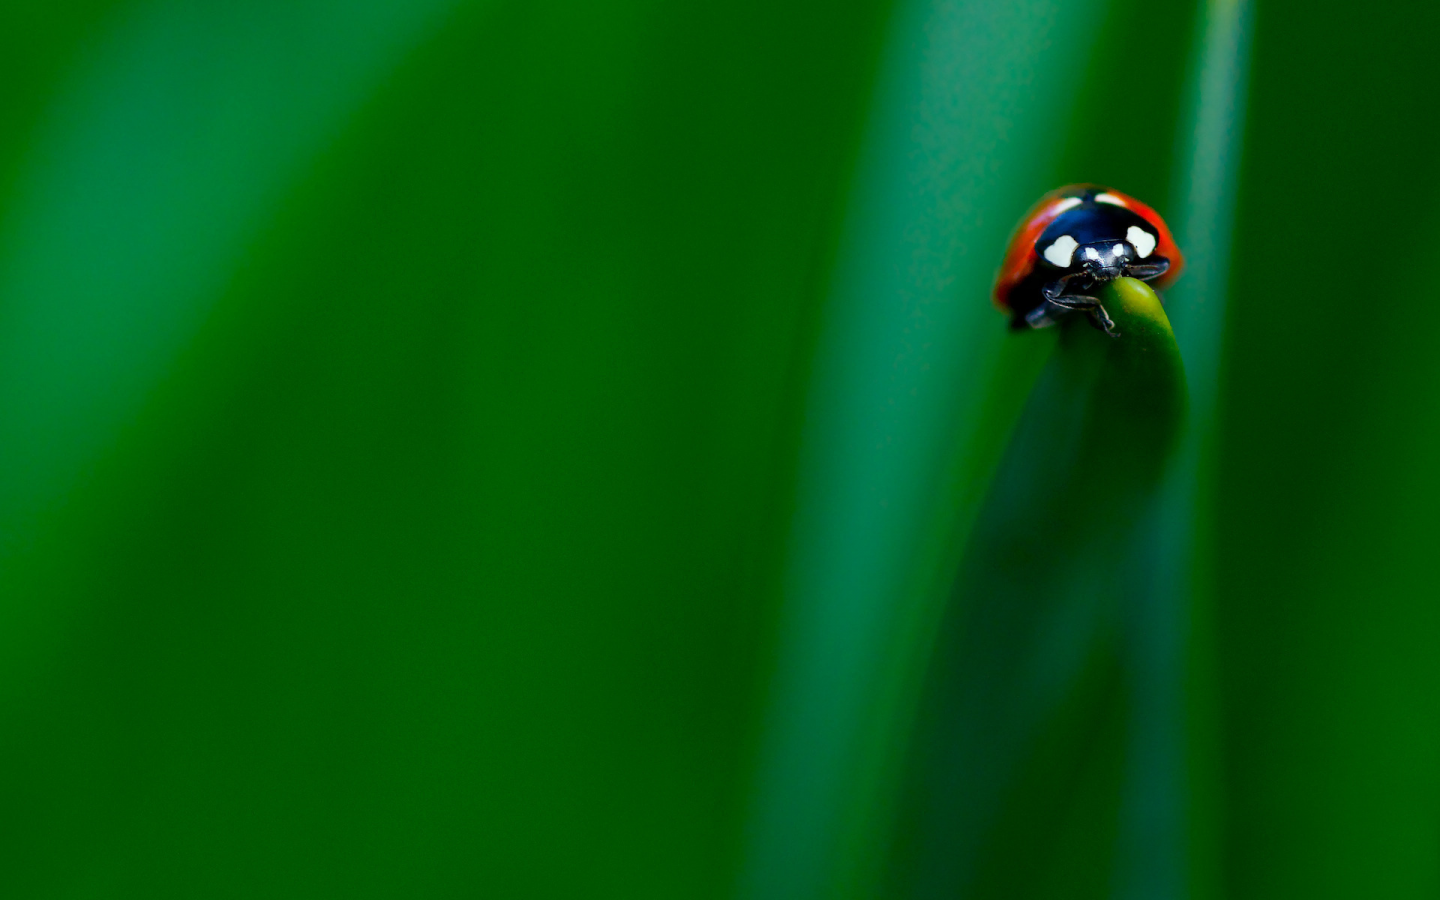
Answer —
(1017, 767)
(907, 398)
(1324, 581)
(155, 170)
(395, 441)
(1174, 780)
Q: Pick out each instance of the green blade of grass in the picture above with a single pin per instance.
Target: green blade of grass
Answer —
(1016, 769)
(905, 369)
(1169, 831)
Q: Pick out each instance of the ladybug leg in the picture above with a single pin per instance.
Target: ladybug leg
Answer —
(1052, 306)
(1041, 316)
(1090, 306)
(1150, 269)
(1101, 320)
(1057, 302)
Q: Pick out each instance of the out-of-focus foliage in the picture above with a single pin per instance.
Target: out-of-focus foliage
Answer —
(395, 402)
(1327, 594)
(1031, 652)
(473, 447)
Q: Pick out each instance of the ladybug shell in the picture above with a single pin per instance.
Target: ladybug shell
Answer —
(1021, 257)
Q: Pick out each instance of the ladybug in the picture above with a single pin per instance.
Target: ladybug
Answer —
(1075, 239)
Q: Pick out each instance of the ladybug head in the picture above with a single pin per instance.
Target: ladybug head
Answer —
(1104, 260)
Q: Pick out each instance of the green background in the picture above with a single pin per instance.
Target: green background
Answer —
(454, 448)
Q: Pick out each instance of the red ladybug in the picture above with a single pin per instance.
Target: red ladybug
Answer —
(1075, 239)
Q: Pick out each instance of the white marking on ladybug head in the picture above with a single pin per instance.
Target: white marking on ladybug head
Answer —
(1142, 240)
(1119, 250)
(1060, 253)
(1109, 198)
(1092, 253)
(1067, 203)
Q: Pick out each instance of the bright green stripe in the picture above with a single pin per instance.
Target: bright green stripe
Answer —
(1165, 834)
(957, 148)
